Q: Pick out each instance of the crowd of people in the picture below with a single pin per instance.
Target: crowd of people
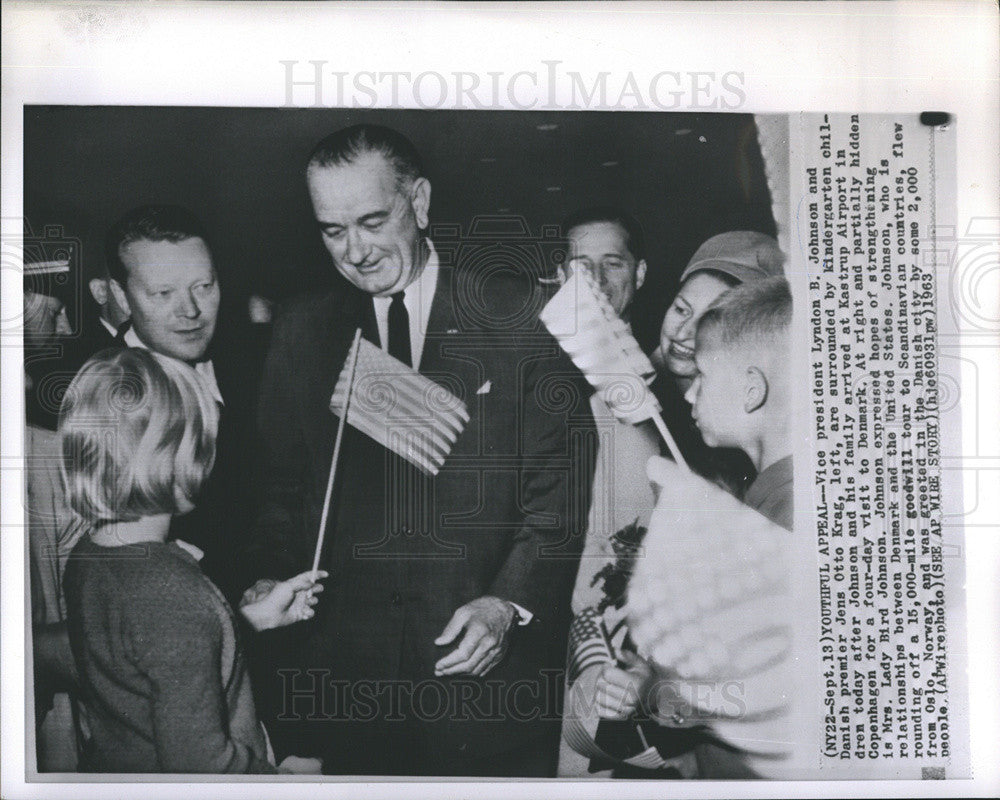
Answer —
(172, 600)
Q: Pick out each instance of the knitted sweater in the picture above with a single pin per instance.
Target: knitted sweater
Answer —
(164, 680)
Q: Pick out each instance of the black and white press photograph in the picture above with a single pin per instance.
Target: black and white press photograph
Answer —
(494, 425)
(378, 442)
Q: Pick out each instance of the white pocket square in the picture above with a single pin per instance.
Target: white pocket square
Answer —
(485, 388)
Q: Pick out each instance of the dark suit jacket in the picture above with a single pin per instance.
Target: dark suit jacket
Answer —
(222, 516)
(505, 516)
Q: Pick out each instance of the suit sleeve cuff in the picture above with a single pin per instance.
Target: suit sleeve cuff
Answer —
(523, 615)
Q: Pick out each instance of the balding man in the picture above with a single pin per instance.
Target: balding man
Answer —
(439, 645)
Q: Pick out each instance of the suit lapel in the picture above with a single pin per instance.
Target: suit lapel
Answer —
(440, 321)
(448, 358)
(365, 317)
(331, 343)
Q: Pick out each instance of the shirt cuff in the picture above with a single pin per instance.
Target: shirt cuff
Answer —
(523, 615)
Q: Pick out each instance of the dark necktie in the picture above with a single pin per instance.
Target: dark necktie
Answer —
(399, 330)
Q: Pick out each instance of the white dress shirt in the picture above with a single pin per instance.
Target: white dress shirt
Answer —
(203, 368)
(418, 298)
(109, 327)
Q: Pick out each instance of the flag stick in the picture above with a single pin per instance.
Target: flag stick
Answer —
(675, 451)
(336, 454)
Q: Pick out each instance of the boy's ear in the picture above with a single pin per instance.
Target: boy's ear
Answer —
(755, 390)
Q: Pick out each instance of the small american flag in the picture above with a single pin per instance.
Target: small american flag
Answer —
(582, 320)
(399, 408)
(588, 644)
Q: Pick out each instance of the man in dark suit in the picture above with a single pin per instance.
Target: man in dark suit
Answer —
(438, 646)
(162, 275)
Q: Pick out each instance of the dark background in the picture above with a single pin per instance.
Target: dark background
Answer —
(685, 177)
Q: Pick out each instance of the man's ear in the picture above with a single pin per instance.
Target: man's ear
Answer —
(755, 390)
(640, 274)
(99, 290)
(420, 201)
(118, 292)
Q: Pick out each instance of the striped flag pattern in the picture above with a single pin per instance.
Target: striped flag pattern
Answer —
(588, 644)
(402, 410)
(601, 345)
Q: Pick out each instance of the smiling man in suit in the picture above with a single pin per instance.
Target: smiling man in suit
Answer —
(163, 276)
(438, 646)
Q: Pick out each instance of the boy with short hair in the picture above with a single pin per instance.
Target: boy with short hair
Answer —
(741, 396)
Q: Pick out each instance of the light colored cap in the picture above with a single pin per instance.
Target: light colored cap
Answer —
(746, 255)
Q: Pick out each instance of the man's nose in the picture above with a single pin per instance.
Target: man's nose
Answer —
(357, 250)
(187, 306)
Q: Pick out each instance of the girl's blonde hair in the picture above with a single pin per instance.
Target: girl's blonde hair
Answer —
(137, 432)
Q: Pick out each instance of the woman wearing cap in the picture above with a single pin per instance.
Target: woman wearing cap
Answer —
(724, 261)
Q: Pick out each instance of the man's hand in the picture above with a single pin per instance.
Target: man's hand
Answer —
(620, 691)
(272, 604)
(299, 765)
(486, 622)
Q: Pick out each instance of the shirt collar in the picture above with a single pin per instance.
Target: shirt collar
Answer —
(419, 293)
(195, 552)
(204, 368)
(108, 326)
